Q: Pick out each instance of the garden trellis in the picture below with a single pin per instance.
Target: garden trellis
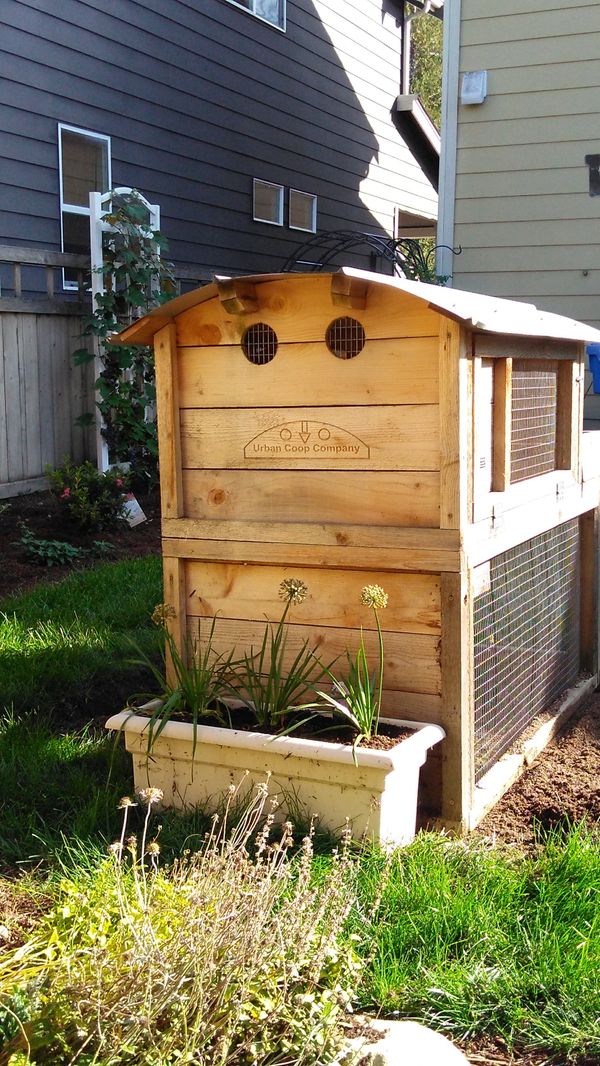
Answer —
(355, 428)
(100, 206)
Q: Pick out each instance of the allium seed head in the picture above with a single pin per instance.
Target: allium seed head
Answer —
(293, 590)
(153, 848)
(125, 801)
(161, 614)
(374, 596)
(149, 796)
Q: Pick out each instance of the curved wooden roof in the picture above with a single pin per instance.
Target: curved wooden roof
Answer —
(487, 314)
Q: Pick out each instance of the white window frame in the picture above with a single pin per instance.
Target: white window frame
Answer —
(302, 192)
(272, 185)
(76, 209)
(250, 11)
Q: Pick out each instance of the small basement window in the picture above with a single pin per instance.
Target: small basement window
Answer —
(303, 211)
(272, 11)
(267, 202)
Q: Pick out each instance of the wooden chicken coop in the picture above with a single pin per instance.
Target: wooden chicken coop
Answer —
(352, 429)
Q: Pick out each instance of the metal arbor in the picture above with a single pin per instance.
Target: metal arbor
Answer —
(406, 256)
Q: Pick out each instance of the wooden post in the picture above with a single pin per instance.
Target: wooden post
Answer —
(456, 426)
(568, 429)
(174, 596)
(167, 402)
(502, 425)
(457, 700)
(590, 588)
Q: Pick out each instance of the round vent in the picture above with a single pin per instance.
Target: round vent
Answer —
(259, 344)
(345, 337)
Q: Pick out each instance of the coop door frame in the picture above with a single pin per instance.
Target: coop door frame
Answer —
(495, 361)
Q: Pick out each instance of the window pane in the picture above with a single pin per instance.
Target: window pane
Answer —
(84, 168)
(76, 234)
(303, 210)
(76, 239)
(268, 202)
(272, 10)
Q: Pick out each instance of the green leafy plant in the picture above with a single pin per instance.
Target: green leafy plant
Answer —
(94, 501)
(269, 688)
(357, 697)
(236, 955)
(190, 685)
(49, 552)
(135, 280)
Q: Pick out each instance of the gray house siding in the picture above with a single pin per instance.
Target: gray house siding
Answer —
(199, 98)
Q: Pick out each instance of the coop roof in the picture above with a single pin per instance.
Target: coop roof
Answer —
(487, 314)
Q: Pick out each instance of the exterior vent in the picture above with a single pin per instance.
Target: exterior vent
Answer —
(259, 344)
(345, 338)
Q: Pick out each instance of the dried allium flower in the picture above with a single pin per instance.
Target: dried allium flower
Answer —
(115, 848)
(161, 614)
(293, 590)
(374, 596)
(150, 796)
(125, 801)
(153, 848)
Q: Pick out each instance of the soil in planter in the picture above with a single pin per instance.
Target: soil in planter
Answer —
(321, 728)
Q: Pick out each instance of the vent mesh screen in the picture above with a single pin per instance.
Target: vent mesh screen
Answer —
(345, 337)
(259, 344)
(533, 422)
(526, 637)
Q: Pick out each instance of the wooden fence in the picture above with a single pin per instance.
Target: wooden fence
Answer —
(42, 392)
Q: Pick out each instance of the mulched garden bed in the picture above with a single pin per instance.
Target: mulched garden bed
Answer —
(48, 520)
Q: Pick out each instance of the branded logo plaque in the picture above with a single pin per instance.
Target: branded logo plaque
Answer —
(306, 439)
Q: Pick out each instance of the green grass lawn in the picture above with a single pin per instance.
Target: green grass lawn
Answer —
(475, 940)
(469, 938)
(59, 641)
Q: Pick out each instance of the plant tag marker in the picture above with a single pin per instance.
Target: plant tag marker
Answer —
(133, 512)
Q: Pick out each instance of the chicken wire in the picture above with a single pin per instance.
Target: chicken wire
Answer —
(526, 637)
(533, 422)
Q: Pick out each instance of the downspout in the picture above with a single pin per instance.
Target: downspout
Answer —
(429, 8)
(449, 124)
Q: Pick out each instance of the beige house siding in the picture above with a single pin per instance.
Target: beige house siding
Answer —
(523, 215)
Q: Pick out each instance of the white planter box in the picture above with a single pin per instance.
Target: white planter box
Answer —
(377, 793)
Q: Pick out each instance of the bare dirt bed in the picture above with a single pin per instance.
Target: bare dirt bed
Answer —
(562, 786)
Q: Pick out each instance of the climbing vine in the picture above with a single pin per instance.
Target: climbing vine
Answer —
(135, 280)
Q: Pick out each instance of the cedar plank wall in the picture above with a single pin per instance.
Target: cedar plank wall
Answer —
(239, 525)
(199, 98)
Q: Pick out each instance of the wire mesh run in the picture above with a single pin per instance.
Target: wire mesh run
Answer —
(533, 421)
(526, 637)
(345, 338)
(259, 344)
